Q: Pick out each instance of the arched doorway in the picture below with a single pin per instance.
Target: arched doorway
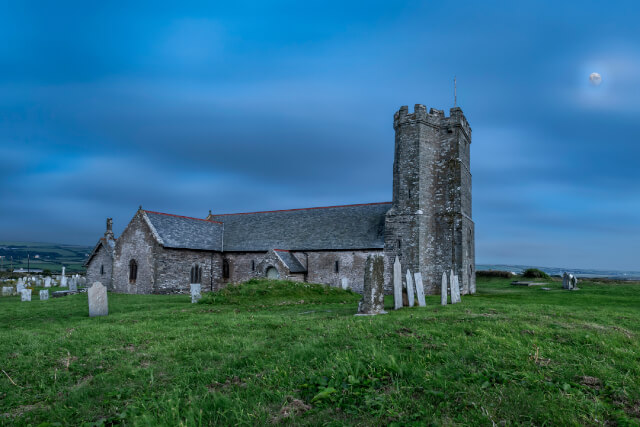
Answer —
(272, 273)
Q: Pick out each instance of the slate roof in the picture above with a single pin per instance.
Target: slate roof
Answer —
(175, 231)
(292, 263)
(327, 228)
(109, 245)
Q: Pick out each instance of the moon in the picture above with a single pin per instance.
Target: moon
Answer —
(595, 79)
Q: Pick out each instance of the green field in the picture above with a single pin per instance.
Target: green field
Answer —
(276, 352)
(44, 256)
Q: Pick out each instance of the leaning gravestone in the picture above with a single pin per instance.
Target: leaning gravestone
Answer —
(195, 292)
(98, 303)
(25, 295)
(345, 283)
(397, 284)
(44, 295)
(420, 290)
(410, 288)
(443, 289)
(372, 302)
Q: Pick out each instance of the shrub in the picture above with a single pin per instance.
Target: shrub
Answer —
(494, 273)
(534, 273)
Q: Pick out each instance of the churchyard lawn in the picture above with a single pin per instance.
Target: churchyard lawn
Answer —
(273, 352)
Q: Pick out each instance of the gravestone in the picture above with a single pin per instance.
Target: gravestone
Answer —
(20, 286)
(420, 289)
(410, 288)
(195, 292)
(63, 279)
(73, 284)
(455, 288)
(47, 282)
(44, 295)
(372, 302)
(7, 291)
(574, 283)
(443, 289)
(98, 303)
(25, 295)
(397, 284)
(345, 283)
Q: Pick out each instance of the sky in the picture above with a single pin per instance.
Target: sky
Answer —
(182, 107)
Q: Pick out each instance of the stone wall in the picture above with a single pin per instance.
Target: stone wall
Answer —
(173, 270)
(136, 242)
(94, 271)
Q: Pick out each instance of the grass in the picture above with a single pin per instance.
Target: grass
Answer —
(276, 352)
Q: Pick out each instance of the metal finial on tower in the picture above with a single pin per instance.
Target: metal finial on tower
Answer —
(455, 92)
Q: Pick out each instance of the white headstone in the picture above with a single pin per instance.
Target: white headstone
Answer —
(420, 289)
(7, 291)
(443, 289)
(98, 303)
(455, 289)
(44, 295)
(25, 295)
(195, 292)
(47, 282)
(20, 286)
(63, 279)
(397, 284)
(410, 288)
(73, 284)
(345, 283)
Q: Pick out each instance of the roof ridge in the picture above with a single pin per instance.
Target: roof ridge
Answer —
(182, 216)
(303, 209)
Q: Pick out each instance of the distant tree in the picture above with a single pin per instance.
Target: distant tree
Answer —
(534, 273)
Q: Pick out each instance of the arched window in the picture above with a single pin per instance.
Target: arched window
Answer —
(102, 269)
(225, 269)
(196, 274)
(133, 271)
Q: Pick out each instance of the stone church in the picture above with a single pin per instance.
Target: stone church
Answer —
(428, 225)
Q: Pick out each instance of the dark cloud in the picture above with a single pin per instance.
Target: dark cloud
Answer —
(190, 107)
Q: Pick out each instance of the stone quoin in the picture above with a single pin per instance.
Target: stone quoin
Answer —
(428, 226)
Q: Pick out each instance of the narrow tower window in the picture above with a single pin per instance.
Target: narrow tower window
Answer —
(399, 243)
(253, 265)
(102, 269)
(337, 267)
(133, 271)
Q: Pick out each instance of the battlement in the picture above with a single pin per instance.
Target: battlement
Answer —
(434, 117)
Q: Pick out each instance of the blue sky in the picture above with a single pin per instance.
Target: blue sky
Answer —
(239, 106)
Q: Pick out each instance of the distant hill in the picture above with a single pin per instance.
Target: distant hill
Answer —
(45, 256)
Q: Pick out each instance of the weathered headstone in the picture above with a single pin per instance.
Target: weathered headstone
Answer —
(455, 290)
(565, 280)
(410, 288)
(98, 303)
(372, 302)
(420, 289)
(574, 283)
(73, 284)
(25, 295)
(47, 282)
(345, 283)
(195, 292)
(7, 291)
(44, 295)
(20, 286)
(443, 289)
(397, 284)
(63, 279)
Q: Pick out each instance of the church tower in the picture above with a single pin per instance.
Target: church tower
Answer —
(429, 226)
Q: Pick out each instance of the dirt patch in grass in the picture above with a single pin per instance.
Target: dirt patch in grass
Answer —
(591, 382)
(292, 407)
(229, 382)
